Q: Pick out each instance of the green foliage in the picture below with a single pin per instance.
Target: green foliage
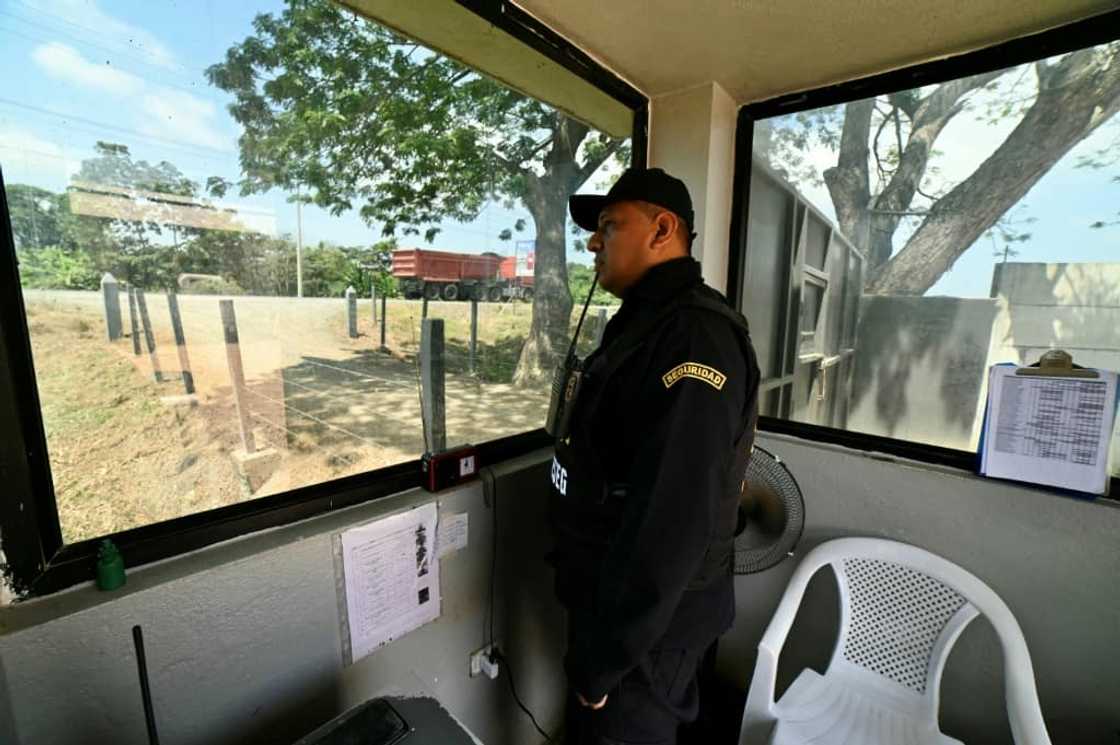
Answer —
(247, 262)
(57, 269)
(328, 269)
(579, 282)
(114, 166)
(213, 287)
(364, 119)
(350, 116)
(36, 216)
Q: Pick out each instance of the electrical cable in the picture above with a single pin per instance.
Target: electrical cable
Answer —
(495, 653)
(501, 658)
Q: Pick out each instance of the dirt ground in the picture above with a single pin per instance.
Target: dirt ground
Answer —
(124, 453)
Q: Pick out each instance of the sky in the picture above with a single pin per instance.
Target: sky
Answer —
(132, 72)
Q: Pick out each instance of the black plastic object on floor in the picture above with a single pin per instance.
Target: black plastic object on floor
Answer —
(388, 721)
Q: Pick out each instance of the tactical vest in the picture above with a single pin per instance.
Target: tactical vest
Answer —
(585, 507)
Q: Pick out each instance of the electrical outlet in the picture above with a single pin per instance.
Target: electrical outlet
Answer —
(481, 663)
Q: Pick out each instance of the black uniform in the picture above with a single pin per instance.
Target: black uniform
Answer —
(644, 500)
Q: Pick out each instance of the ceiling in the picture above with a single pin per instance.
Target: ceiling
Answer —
(758, 49)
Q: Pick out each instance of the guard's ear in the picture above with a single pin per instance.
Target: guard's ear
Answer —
(666, 223)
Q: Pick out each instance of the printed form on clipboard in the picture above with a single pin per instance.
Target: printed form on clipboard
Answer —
(1050, 424)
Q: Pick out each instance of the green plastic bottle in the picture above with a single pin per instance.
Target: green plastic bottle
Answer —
(110, 566)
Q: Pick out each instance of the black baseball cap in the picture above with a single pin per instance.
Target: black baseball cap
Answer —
(651, 185)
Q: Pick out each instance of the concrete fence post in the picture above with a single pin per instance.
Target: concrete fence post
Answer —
(149, 338)
(601, 327)
(237, 373)
(180, 342)
(133, 317)
(474, 336)
(111, 294)
(384, 317)
(432, 383)
(352, 312)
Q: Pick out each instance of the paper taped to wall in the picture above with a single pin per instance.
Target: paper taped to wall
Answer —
(452, 534)
(392, 578)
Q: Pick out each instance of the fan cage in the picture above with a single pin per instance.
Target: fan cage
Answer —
(766, 468)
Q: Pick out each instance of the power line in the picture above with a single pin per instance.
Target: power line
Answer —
(175, 67)
(191, 91)
(113, 127)
(312, 417)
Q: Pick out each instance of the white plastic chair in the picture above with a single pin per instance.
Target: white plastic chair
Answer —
(901, 611)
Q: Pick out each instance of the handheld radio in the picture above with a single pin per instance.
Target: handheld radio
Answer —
(566, 380)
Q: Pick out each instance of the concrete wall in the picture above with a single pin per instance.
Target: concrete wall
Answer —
(692, 136)
(243, 639)
(921, 367)
(1052, 559)
(1075, 307)
(921, 362)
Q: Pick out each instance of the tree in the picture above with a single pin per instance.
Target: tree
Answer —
(363, 119)
(36, 216)
(1073, 96)
(580, 278)
(135, 250)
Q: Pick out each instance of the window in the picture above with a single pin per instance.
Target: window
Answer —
(906, 232)
(230, 222)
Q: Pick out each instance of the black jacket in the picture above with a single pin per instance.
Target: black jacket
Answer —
(661, 431)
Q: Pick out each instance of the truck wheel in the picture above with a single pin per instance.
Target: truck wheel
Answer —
(495, 294)
(527, 294)
(451, 292)
(431, 292)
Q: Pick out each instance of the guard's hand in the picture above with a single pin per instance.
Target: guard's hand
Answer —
(589, 705)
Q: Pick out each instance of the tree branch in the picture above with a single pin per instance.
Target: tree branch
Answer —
(848, 181)
(901, 213)
(592, 164)
(882, 172)
(930, 116)
(1067, 110)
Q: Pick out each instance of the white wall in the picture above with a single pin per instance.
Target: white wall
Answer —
(692, 136)
(1053, 559)
(242, 639)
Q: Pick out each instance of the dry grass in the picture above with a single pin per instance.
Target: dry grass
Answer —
(329, 405)
(119, 458)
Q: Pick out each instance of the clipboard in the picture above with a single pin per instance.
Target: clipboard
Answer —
(1057, 363)
(1049, 423)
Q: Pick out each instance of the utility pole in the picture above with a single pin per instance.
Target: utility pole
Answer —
(299, 243)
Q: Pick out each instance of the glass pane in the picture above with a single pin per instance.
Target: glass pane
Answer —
(983, 224)
(286, 190)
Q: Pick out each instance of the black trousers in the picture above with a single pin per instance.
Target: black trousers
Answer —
(647, 707)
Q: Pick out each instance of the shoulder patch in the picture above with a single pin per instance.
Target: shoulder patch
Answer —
(709, 375)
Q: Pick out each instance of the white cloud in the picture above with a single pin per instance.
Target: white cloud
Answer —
(162, 112)
(182, 117)
(66, 63)
(85, 14)
(28, 158)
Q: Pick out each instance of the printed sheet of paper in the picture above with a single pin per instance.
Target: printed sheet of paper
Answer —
(452, 534)
(1049, 430)
(392, 578)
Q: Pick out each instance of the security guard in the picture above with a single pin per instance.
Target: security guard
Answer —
(648, 471)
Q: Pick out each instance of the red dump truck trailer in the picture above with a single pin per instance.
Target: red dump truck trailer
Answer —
(446, 275)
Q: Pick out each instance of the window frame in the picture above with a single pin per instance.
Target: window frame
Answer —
(37, 560)
(1100, 29)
